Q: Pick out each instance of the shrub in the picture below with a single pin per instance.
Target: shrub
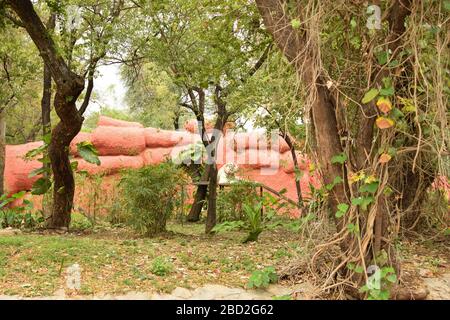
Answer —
(150, 195)
(80, 222)
(161, 266)
(262, 278)
(254, 221)
(18, 217)
(230, 199)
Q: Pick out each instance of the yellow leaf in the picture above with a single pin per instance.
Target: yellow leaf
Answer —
(355, 177)
(384, 104)
(384, 123)
(370, 179)
(384, 158)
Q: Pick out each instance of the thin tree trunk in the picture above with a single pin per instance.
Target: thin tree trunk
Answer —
(298, 188)
(2, 150)
(47, 89)
(211, 217)
(199, 198)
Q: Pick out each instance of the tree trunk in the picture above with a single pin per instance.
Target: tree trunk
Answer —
(64, 183)
(2, 150)
(68, 88)
(199, 198)
(47, 90)
(298, 188)
(211, 217)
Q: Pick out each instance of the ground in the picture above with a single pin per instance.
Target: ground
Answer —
(117, 263)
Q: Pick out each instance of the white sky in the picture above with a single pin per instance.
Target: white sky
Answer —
(109, 89)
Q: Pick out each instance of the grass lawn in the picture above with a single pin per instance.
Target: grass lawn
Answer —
(116, 261)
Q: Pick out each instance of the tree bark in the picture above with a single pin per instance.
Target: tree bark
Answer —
(47, 89)
(211, 216)
(68, 88)
(2, 150)
(199, 198)
(298, 188)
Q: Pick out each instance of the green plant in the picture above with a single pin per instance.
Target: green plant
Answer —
(230, 199)
(20, 216)
(379, 283)
(258, 216)
(161, 266)
(80, 222)
(150, 195)
(262, 278)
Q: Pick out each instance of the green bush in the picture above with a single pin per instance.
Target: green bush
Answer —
(262, 278)
(80, 222)
(150, 195)
(259, 214)
(230, 199)
(18, 217)
(161, 266)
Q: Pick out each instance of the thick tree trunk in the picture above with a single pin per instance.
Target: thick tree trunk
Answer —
(2, 150)
(64, 183)
(68, 88)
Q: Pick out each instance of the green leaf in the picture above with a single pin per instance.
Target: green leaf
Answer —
(382, 57)
(337, 180)
(369, 187)
(387, 92)
(369, 96)
(88, 152)
(359, 269)
(339, 158)
(342, 209)
(41, 186)
(446, 5)
(47, 138)
(18, 195)
(392, 278)
(36, 172)
(352, 228)
(357, 201)
(295, 23)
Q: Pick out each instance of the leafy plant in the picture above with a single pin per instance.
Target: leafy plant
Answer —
(379, 284)
(20, 216)
(161, 266)
(253, 220)
(230, 199)
(150, 196)
(262, 278)
(88, 152)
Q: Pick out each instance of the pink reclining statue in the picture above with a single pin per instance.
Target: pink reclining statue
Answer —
(123, 144)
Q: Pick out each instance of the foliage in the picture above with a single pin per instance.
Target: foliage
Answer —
(262, 278)
(259, 214)
(150, 195)
(80, 222)
(149, 91)
(379, 284)
(161, 266)
(231, 198)
(19, 216)
(42, 185)
(87, 151)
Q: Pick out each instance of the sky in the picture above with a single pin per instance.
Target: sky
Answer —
(109, 89)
